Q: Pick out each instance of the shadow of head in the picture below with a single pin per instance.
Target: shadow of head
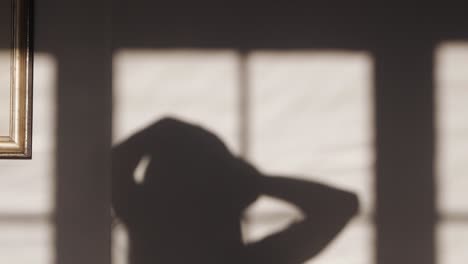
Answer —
(191, 167)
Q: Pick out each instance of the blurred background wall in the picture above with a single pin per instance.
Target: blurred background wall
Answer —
(362, 97)
(55, 208)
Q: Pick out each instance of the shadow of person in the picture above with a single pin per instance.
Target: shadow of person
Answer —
(189, 206)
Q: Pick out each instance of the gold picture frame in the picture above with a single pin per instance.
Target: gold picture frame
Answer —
(18, 142)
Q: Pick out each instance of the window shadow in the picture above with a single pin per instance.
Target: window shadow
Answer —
(402, 42)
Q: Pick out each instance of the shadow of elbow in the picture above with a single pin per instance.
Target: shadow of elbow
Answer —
(352, 204)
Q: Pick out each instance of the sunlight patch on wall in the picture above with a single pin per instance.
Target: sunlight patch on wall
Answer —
(29, 183)
(199, 86)
(452, 145)
(119, 244)
(452, 110)
(26, 186)
(311, 119)
(26, 243)
(453, 240)
(309, 116)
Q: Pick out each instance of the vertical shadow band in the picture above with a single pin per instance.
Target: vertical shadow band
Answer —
(405, 140)
(82, 49)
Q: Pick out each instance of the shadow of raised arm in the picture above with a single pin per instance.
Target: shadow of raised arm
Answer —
(125, 158)
(326, 210)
